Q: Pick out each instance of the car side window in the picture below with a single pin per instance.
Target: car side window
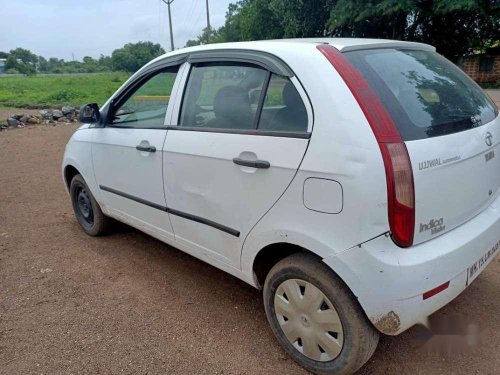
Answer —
(223, 96)
(147, 105)
(283, 108)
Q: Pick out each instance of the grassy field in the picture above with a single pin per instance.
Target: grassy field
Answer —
(56, 91)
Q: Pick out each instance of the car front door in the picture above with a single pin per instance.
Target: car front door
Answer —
(240, 136)
(127, 153)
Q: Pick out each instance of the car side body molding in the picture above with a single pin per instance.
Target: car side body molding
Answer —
(175, 212)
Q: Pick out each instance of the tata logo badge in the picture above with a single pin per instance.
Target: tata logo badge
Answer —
(488, 139)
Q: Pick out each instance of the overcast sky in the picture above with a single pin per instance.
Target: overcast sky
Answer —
(60, 28)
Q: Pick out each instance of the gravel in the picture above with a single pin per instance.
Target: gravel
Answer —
(127, 303)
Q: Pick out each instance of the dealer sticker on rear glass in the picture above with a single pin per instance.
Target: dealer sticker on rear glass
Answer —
(476, 268)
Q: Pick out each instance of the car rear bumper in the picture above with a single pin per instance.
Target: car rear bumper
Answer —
(390, 282)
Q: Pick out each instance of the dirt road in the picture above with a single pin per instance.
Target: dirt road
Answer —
(127, 303)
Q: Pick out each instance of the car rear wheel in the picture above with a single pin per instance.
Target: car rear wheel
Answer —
(315, 317)
(87, 210)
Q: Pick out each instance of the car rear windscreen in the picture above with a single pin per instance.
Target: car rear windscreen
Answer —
(426, 95)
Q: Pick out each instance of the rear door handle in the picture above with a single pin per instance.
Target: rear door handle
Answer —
(146, 148)
(261, 164)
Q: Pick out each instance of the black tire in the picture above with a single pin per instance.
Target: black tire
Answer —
(360, 339)
(87, 210)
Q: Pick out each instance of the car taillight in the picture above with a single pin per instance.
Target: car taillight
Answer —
(398, 171)
(400, 192)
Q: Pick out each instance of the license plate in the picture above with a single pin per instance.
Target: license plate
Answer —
(475, 269)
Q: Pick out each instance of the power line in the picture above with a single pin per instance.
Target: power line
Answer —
(194, 3)
(199, 16)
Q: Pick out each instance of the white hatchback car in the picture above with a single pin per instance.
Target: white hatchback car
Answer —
(356, 181)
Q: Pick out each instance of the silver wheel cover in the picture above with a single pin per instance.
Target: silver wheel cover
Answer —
(309, 320)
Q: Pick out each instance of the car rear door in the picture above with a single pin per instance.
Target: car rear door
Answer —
(127, 153)
(450, 128)
(241, 133)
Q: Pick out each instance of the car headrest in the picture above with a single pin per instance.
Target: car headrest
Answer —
(232, 102)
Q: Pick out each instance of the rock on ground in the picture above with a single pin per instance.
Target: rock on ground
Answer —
(44, 116)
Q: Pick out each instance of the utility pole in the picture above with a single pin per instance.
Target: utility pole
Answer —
(168, 2)
(208, 24)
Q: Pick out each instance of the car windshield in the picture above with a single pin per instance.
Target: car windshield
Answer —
(425, 94)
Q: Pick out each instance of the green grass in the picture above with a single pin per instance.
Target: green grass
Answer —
(56, 91)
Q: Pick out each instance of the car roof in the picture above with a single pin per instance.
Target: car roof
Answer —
(342, 44)
(283, 45)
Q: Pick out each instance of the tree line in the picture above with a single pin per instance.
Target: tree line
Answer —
(455, 28)
(129, 58)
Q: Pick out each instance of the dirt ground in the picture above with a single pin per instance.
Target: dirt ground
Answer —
(127, 303)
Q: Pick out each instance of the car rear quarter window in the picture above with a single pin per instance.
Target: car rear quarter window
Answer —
(426, 95)
(283, 108)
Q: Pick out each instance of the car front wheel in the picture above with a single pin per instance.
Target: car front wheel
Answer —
(315, 317)
(87, 210)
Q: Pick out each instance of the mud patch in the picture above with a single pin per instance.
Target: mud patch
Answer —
(388, 323)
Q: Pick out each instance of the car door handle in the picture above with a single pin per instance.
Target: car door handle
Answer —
(146, 148)
(261, 164)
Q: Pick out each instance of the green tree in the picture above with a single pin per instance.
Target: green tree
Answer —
(90, 65)
(274, 19)
(209, 35)
(230, 32)
(249, 20)
(134, 55)
(453, 27)
(104, 62)
(302, 18)
(87, 60)
(54, 65)
(22, 61)
(43, 64)
(258, 21)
